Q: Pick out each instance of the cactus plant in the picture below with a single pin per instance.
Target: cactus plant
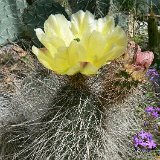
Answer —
(152, 32)
(10, 19)
(19, 18)
(54, 118)
(78, 116)
(98, 7)
(154, 38)
(35, 15)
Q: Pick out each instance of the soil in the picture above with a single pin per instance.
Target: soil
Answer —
(15, 65)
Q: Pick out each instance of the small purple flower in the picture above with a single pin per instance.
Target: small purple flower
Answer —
(149, 109)
(144, 144)
(136, 141)
(151, 144)
(155, 114)
(152, 74)
(157, 109)
(143, 134)
(144, 140)
(153, 111)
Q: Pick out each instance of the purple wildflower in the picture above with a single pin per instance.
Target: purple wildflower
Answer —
(144, 140)
(149, 109)
(157, 109)
(153, 111)
(136, 141)
(152, 74)
(155, 114)
(151, 144)
(144, 135)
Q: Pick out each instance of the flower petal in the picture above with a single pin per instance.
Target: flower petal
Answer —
(115, 53)
(58, 25)
(115, 46)
(43, 56)
(101, 50)
(94, 43)
(76, 53)
(105, 25)
(67, 60)
(61, 64)
(117, 38)
(82, 22)
(89, 69)
(40, 34)
(51, 43)
(73, 70)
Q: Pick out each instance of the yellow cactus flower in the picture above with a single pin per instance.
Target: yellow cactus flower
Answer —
(82, 45)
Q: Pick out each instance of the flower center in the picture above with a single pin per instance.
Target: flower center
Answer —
(83, 64)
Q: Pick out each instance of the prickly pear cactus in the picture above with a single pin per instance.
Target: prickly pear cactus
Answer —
(98, 7)
(10, 19)
(35, 15)
(20, 18)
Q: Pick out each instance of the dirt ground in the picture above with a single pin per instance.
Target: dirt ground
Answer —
(15, 65)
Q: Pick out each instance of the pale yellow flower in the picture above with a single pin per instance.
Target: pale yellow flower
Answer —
(82, 45)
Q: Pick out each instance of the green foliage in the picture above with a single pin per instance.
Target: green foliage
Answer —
(141, 40)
